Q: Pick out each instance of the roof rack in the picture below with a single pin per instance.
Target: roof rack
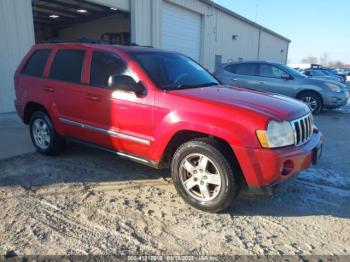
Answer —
(87, 41)
(79, 40)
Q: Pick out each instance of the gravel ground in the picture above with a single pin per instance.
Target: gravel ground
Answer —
(91, 202)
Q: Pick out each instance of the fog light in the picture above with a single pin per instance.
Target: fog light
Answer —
(287, 168)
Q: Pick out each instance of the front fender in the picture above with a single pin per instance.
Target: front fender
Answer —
(233, 130)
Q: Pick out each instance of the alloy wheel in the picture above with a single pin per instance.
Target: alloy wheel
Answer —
(41, 134)
(311, 102)
(200, 177)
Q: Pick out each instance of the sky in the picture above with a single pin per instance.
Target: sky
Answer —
(316, 27)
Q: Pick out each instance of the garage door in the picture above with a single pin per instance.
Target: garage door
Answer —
(181, 30)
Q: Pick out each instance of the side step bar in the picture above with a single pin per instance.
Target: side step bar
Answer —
(121, 154)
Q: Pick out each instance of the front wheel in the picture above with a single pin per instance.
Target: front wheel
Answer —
(313, 100)
(203, 176)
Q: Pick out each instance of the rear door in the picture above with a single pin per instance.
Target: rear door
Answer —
(65, 81)
(242, 75)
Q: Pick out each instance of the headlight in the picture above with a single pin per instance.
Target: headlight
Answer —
(333, 87)
(278, 134)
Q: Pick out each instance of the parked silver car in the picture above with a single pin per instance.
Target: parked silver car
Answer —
(321, 75)
(281, 79)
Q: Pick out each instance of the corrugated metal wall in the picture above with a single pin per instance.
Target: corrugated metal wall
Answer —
(218, 28)
(273, 48)
(16, 38)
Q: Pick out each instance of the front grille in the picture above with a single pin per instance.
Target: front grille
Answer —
(303, 128)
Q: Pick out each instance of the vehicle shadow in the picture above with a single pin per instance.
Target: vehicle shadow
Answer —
(306, 197)
(77, 164)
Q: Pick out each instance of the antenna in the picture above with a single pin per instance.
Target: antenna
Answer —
(257, 12)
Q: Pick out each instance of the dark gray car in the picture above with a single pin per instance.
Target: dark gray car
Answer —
(281, 79)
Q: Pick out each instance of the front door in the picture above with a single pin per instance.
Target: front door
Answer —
(116, 119)
(271, 80)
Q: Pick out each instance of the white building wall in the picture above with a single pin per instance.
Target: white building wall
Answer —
(272, 48)
(218, 27)
(244, 46)
(17, 37)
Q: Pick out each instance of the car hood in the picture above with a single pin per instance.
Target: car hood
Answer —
(324, 78)
(272, 105)
(321, 82)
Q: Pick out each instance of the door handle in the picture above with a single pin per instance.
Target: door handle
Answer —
(93, 97)
(49, 89)
(261, 82)
(234, 79)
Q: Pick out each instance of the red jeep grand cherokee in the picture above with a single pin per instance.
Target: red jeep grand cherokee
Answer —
(163, 109)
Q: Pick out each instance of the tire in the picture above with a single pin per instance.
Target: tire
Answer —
(44, 138)
(313, 100)
(193, 155)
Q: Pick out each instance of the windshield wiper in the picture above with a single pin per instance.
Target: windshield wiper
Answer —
(191, 86)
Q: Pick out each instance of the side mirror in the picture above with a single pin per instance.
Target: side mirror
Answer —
(286, 76)
(126, 83)
(308, 73)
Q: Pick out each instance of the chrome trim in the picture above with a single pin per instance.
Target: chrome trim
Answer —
(132, 157)
(105, 131)
(303, 129)
(70, 122)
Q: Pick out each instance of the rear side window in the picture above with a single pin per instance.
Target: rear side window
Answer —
(68, 65)
(246, 69)
(103, 65)
(36, 63)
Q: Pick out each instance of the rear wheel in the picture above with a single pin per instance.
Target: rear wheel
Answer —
(203, 176)
(44, 138)
(313, 100)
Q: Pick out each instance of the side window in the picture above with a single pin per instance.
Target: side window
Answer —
(68, 65)
(103, 65)
(271, 71)
(246, 69)
(36, 63)
(231, 68)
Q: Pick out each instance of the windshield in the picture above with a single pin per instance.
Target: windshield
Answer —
(172, 71)
(317, 73)
(327, 73)
(293, 71)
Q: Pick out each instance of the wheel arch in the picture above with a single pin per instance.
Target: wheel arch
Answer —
(183, 136)
(32, 107)
(309, 91)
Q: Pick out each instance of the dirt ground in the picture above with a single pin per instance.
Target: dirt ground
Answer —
(91, 202)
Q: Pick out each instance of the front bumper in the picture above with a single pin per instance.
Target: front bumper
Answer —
(335, 100)
(269, 170)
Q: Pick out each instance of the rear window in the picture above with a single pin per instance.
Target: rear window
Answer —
(68, 65)
(36, 63)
